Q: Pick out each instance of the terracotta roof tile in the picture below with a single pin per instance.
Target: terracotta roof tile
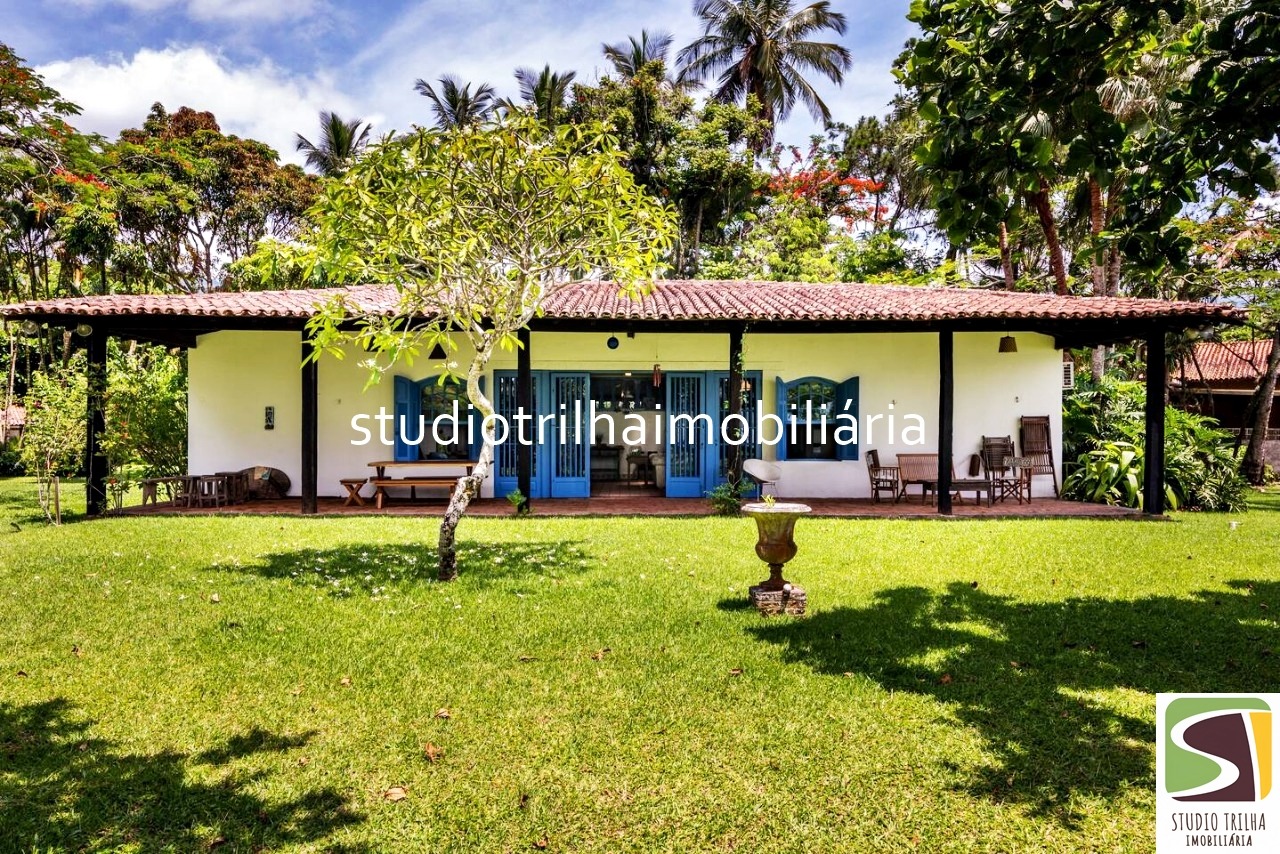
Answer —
(673, 300)
(1227, 361)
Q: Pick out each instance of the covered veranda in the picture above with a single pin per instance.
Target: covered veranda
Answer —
(733, 310)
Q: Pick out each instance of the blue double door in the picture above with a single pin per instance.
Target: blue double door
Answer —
(696, 458)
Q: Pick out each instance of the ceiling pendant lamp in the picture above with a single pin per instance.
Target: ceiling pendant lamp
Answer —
(1008, 344)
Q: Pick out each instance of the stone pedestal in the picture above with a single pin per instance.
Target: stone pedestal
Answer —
(790, 600)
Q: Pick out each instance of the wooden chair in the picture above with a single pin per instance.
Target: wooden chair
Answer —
(1037, 445)
(211, 490)
(1006, 482)
(882, 477)
(183, 491)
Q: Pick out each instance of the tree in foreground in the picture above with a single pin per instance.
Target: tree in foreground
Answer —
(762, 48)
(477, 228)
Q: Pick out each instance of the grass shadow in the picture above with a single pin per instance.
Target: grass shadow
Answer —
(375, 569)
(1024, 675)
(63, 787)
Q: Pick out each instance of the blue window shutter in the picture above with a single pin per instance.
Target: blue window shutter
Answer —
(780, 391)
(846, 402)
(408, 406)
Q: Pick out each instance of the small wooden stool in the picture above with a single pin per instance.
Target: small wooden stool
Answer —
(353, 486)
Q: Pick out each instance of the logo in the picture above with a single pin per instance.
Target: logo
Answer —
(1217, 749)
(1215, 772)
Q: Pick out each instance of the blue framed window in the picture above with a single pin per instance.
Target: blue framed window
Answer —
(811, 402)
(417, 405)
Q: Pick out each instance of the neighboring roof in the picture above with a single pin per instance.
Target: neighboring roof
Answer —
(690, 300)
(14, 416)
(1226, 361)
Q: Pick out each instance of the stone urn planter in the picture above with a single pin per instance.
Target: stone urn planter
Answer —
(775, 524)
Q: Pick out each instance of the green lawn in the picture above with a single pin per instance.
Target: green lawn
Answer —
(598, 685)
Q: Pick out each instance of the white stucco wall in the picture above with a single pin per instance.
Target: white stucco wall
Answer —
(234, 375)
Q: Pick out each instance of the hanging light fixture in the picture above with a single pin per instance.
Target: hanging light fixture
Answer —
(30, 328)
(657, 376)
(1008, 344)
(437, 353)
(84, 330)
(612, 343)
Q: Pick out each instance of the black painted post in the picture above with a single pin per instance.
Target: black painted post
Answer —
(310, 426)
(524, 402)
(1153, 475)
(734, 474)
(95, 461)
(946, 416)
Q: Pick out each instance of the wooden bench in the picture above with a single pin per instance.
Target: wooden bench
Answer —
(381, 484)
(922, 469)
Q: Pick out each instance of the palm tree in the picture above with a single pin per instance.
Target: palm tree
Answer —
(544, 93)
(629, 57)
(760, 48)
(340, 143)
(455, 105)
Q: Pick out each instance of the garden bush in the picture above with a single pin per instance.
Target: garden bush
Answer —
(1104, 434)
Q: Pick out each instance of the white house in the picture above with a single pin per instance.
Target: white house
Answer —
(921, 370)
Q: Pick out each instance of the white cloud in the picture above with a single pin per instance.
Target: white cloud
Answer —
(262, 101)
(486, 40)
(217, 10)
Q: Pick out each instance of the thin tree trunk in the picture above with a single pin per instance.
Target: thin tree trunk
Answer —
(468, 486)
(697, 241)
(1044, 211)
(1006, 258)
(1097, 268)
(1253, 466)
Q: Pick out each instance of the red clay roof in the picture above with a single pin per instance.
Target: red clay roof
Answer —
(1227, 361)
(673, 300)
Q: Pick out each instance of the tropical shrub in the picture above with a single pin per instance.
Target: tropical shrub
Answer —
(1104, 434)
(146, 416)
(726, 499)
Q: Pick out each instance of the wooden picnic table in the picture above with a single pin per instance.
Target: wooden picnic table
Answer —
(381, 482)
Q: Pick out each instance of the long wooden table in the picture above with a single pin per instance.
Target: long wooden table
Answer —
(381, 482)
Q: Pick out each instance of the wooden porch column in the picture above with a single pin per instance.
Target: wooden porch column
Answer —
(310, 426)
(524, 401)
(1153, 474)
(946, 416)
(734, 473)
(95, 461)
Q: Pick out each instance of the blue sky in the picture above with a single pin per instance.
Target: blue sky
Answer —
(266, 67)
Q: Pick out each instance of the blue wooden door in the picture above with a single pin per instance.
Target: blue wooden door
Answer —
(506, 456)
(719, 454)
(569, 398)
(688, 424)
